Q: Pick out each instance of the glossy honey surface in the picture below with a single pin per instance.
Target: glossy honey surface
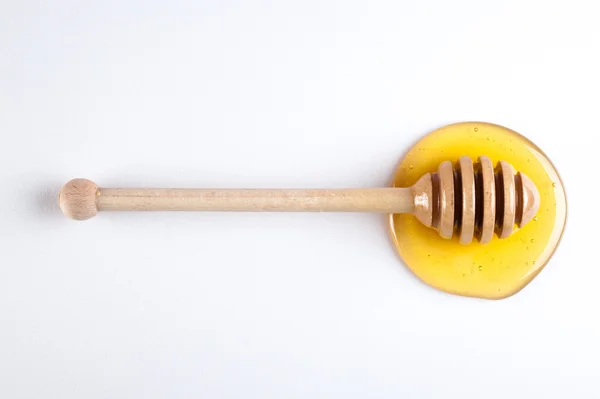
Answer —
(500, 268)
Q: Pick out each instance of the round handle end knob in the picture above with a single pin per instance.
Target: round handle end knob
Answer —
(77, 199)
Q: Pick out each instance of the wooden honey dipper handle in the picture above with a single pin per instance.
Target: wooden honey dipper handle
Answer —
(471, 200)
(81, 199)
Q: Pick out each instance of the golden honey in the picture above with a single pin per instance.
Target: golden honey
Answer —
(500, 268)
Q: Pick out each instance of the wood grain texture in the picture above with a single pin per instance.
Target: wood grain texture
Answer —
(424, 201)
(380, 200)
(467, 204)
(446, 174)
(487, 199)
(507, 197)
(77, 199)
(529, 200)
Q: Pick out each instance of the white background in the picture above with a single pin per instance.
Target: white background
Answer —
(280, 94)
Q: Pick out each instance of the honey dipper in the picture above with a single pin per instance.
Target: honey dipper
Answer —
(472, 200)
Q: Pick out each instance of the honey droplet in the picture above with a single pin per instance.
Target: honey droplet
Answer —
(533, 240)
(480, 268)
(534, 262)
(553, 184)
(535, 219)
(476, 129)
(411, 167)
(489, 138)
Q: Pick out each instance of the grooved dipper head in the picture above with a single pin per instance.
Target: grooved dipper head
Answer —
(475, 200)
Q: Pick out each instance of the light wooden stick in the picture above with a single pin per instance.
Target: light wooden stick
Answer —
(82, 199)
(382, 200)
